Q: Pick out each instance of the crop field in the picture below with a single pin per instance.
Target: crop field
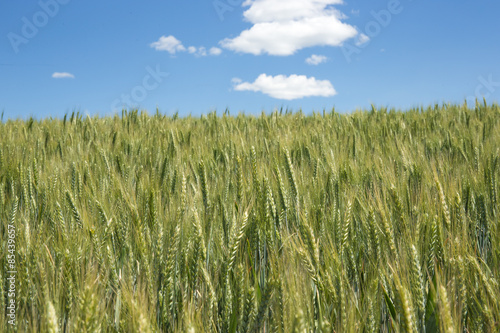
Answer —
(374, 221)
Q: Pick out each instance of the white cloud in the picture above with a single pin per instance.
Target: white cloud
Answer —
(362, 39)
(286, 10)
(202, 51)
(215, 51)
(287, 87)
(316, 59)
(198, 51)
(172, 45)
(282, 27)
(62, 75)
(169, 44)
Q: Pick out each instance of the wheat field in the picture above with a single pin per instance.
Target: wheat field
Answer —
(373, 221)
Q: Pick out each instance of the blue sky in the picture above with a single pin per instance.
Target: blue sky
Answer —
(97, 57)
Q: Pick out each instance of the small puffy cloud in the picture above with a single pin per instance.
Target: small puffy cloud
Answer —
(362, 39)
(202, 51)
(287, 87)
(316, 59)
(215, 51)
(172, 45)
(169, 44)
(62, 75)
(282, 27)
(198, 51)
